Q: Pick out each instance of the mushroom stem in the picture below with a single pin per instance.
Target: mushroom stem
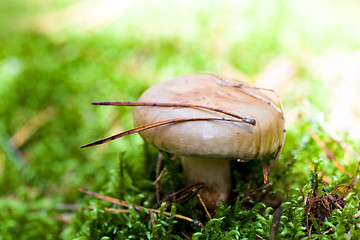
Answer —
(214, 173)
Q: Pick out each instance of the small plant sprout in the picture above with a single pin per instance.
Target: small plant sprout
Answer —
(208, 120)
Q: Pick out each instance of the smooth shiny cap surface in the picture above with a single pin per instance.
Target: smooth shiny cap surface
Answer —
(211, 139)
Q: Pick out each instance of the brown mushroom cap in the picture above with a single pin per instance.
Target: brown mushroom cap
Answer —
(210, 139)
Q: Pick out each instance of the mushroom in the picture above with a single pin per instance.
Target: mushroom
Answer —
(206, 147)
(196, 130)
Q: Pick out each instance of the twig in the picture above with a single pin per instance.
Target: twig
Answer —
(316, 186)
(67, 207)
(304, 196)
(353, 181)
(328, 231)
(332, 199)
(156, 124)
(136, 207)
(307, 215)
(327, 151)
(204, 206)
(337, 139)
(157, 104)
(188, 192)
(109, 199)
(275, 223)
(186, 236)
(257, 190)
(161, 175)
(32, 125)
(66, 217)
(265, 169)
(111, 209)
(152, 219)
(196, 222)
(158, 165)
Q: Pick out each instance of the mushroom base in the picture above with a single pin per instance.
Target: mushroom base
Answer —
(214, 173)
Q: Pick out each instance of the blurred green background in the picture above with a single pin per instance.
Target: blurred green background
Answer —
(58, 56)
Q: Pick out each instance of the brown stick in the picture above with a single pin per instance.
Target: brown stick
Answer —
(332, 199)
(161, 175)
(152, 125)
(257, 190)
(204, 206)
(152, 219)
(157, 104)
(108, 199)
(327, 151)
(275, 223)
(156, 183)
(136, 207)
(152, 210)
(265, 169)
